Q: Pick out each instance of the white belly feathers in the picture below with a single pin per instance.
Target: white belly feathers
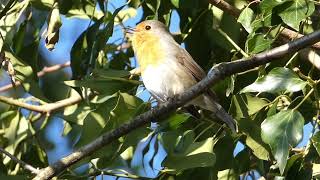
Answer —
(164, 80)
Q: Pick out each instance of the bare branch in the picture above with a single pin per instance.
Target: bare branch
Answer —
(45, 108)
(22, 163)
(285, 33)
(217, 73)
(41, 73)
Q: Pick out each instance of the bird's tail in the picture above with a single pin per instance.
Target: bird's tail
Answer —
(220, 113)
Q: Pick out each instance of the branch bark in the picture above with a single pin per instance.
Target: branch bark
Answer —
(285, 33)
(217, 73)
(22, 163)
(45, 108)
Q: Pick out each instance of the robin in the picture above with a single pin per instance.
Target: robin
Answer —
(167, 69)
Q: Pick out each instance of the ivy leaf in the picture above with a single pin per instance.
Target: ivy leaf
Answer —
(269, 5)
(182, 149)
(281, 131)
(244, 105)
(257, 43)
(277, 80)
(245, 19)
(295, 12)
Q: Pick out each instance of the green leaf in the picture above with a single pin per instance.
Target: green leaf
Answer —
(54, 24)
(281, 131)
(277, 80)
(25, 75)
(197, 154)
(85, 50)
(245, 105)
(175, 3)
(316, 170)
(175, 121)
(251, 128)
(8, 23)
(109, 115)
(269, 5)
(316, 141)
(257, 148)
(296, 11)
(228, 174)
(84, 10)
(257, 43)
(245, 19)
(105, 87)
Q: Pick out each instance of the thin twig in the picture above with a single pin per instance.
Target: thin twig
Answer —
(41, 73)
(22, 163)
(217, 73)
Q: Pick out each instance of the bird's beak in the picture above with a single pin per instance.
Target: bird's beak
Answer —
(130, 30)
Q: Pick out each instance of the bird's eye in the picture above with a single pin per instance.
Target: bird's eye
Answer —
(148, 27)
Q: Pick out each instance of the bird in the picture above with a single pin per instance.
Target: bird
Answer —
(167, 69)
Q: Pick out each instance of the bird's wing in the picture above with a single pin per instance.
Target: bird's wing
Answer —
(185, 59)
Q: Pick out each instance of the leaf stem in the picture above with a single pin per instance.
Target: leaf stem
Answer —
(225, 35)
(304, 99)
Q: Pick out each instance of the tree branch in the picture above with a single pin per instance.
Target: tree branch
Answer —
(22, 163)
(41, 73)
(45, 108)
(217, 73)
(285, 33)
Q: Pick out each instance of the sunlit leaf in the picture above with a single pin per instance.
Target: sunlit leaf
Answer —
(277, 80)
(245, 19)
(281, 131)
(54, 24)
(9, 23)
(227, 174)
(269, 5)
(296, 11)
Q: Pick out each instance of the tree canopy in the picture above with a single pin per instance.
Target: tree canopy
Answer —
(262, 59)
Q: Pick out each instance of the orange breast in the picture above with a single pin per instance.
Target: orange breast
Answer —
(148, 50)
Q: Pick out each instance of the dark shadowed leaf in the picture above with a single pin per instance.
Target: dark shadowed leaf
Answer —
(175, 121)
(316, 141)
(281, 131)
(245, 105)
(198, 154)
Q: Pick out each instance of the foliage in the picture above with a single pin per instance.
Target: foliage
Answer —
(272, 104)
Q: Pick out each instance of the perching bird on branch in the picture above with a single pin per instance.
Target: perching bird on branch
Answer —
(167, 69)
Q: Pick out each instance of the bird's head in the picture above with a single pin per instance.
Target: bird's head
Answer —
(146, 37)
